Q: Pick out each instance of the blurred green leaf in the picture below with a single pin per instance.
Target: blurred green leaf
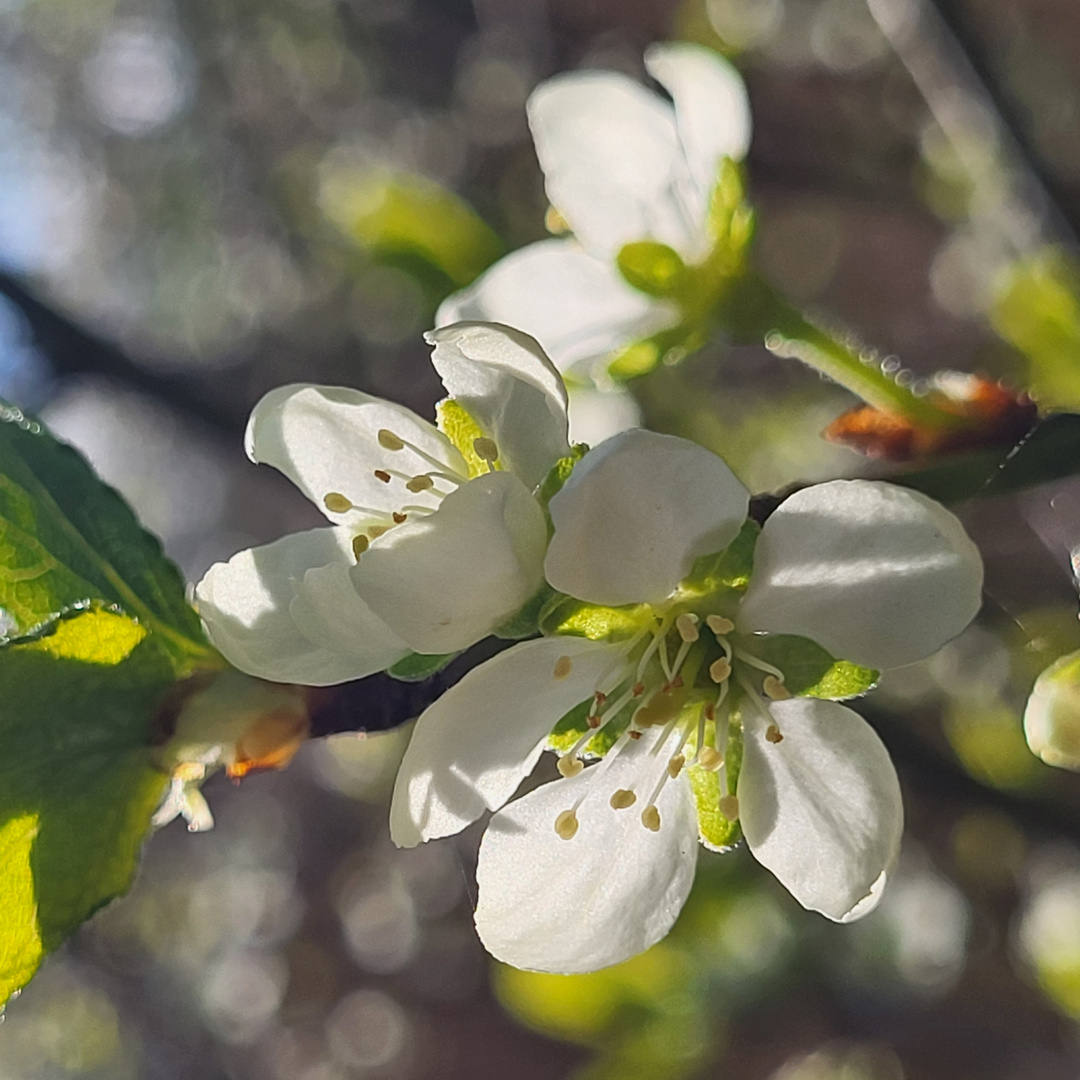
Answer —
(651, 267)
(419, 666)
(567, 615)
(724, 575)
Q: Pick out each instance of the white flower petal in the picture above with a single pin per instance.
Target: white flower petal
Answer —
(712, 110)
(325, 440)
(614, 889)
(636, 513)
(510, 388)
(471, 749)
(246, 603)
(874, 573)
(444, 581)
(596, 415)
(612, 161)
(821, 808)
(578, 307)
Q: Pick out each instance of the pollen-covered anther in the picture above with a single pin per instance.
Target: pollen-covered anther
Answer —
(360, 544)
(675, 684)
(622, 799)
(389, 441)
(486, 449)
(399, 517)
(772, 734)
(383, 475)
(720, 670)
(423, 482)
(566, 825)
(710, 759)
(772, 687)
(675, 765)
(719, 625)
(569, 766)
(650, 818)
(729, 807)
(337, 503)
(686, 624)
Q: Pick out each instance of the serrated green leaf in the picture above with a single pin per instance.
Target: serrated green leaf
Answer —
(809, 670)
(418, 666)
(725, 574)
(78, 783)
(651, 267)
(567, 615)
(67, 541)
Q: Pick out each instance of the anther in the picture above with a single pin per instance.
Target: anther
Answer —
(710, 759)
(772, 687)
(622, 799)
(729, 807)
(360, 544)
(486, 449)
(420, 483)
(686, 624)
(398, 517)
(650, 818)
(389, 441)
(566, 824)
(336, 503)
(569, 766)
(720, 670)
(562, 667)
(593, 720)
(383, 475)
(719, 625)
(772, 734)
(600, 697)
(638, 689)
(675, 765)
(635, 735)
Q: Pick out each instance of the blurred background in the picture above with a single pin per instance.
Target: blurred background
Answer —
(200, 201)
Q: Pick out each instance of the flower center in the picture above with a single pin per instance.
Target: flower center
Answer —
(435, 483)
(672, 685)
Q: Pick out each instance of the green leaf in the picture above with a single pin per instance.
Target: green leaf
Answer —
(418, 666)
(651, 267)
(809, 670)
(526, 623)
(567, 615)
(559, 473)
(725, 574)
(67, 540)
(78, 783)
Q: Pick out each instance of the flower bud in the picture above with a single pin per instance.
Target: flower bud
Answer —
(1052, 716)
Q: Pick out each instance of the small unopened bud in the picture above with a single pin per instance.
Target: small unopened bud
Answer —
(566, 825)
(1052, 716)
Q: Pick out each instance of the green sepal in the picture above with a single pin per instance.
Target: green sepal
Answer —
(652, 268)
(458, 425)
(717, 832)
(574, 724)
(567, 615)
(811, 671)
(526, 623)
(731, 219)
(723, 576)
(559, 473)
(415, 667)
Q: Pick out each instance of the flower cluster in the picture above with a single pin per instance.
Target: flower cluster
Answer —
(689, 660)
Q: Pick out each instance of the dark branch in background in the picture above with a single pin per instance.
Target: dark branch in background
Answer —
(70, 349)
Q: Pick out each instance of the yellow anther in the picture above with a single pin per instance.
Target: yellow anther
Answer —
(375, 531)
(562, 667)
(772, 734)
(360, 544)
(399, 518)
(650, 818)
(687, 627)
(336, 503)
(554, 222)
(389, 441)
(566, 824)
(772, 687)
(710, 759)
(729, 807)
(719, 670)
(675, 765)
(420, 483)
(719, 625)
(570, 766)
(383, 475)
(622, 798)
(485, 448)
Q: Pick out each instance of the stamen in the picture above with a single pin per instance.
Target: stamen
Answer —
(423, 482)
(729, 807)
(566, 825)
(658, 636)
(650, 818)
(622, 799)
(638, 689)
(772, 734)
(336, 503)
(389, 441)
(761, 665)
(675, 765)
(486, 449)
(665, 664)
(399, 519)
(775, 688)
(569, 766)
(710, 759)
(360, 544)
(562, 667)
(686, 624)
(719, 625)
(720, 670)
(383, 475)
(635, 735)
